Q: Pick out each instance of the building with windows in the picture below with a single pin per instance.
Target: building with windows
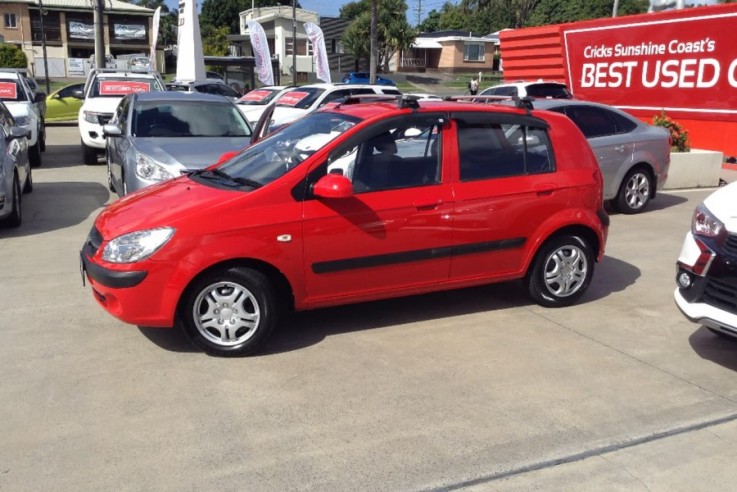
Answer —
(451, 52)
(70, 32)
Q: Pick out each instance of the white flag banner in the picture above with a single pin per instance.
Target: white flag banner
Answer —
(322, 66)
(154, 37)
(261, 53)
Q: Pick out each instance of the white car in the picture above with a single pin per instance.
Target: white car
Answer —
(25, 107)
(707, 266)
(299, 101)
(103, 91)
(541, 89)
(252, 104)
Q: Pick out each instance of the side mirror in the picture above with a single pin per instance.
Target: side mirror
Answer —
(40, 97)
(79, 94)
(18, 132)
(333, 186)
(111, 130)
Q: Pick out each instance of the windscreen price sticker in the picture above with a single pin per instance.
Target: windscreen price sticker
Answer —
(292, 98)
(8, 90)
(121, 88)
(256, 96)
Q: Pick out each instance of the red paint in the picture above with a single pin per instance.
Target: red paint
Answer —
(122, 88)
(292, 98)
(257, 95)
(8, 90)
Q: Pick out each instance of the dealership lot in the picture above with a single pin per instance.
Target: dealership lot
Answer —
(477, 388)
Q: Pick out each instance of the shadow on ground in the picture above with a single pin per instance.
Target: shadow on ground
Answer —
(304, 329)
(721, 350)
(662, 201)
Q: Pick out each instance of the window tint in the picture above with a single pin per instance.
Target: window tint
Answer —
(225, 90)
(549, 91)
(401, 155)
(335, 95)
(505, 91)
(624, 124)
(493, 150)
(393, 92)
(593, 122)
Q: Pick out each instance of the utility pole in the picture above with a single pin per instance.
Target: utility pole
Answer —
(294, 42)
(99, 34)
(374, 42)
(419, 11)
(43, 46)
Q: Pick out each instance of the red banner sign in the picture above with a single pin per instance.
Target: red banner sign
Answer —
(256, 96)
(8, 90)
(122, 87)
(292, 98)
(682, 65)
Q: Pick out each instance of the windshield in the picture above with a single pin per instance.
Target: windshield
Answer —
(121, 86)
(259, 97)
(302, 97)
(270, 158)
(188, 119)
(11, 91)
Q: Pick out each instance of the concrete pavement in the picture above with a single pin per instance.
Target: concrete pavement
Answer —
(475, 389)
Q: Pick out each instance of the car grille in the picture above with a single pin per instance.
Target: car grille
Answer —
(721, 294)
(104, 118)
(94, 240)
(730, 245)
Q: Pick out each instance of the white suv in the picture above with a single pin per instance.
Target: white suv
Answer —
(104, 89)
(299, 101)
(25, 106)
(540, 89)
(707, 266)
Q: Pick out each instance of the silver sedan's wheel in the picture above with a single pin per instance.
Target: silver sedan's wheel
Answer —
(561, 271)
(230, 311)
(634, 194)
(226, 313)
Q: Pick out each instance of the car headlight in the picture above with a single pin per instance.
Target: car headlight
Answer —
(136, 246)
(91, 117)
(22, 120)
(705, 224)
(150, 170)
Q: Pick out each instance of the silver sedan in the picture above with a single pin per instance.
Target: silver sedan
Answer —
(157, 136)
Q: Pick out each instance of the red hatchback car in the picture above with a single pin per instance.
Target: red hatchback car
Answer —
(359, 201)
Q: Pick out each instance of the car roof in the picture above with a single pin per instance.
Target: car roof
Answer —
(165, 96)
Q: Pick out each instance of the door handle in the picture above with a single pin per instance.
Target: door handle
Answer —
(428, 205)
(545, 189)
(619, 148)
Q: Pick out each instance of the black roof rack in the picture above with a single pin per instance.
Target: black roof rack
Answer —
(403, 101)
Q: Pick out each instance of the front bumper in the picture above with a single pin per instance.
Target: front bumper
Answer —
(91, 134)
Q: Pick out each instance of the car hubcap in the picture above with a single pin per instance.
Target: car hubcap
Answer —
(566, 270)
(637, 191)
(226, 313)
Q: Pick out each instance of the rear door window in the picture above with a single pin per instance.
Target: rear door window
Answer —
(593, 122)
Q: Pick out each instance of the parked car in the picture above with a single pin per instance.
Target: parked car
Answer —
(540, 89)
(365, 78)
(216, 87)
(707, 265)
(634, 157)
(299, 101)
(25, 106)
(64, 104)
(103, 91)
(157, 136)
(426, 97)
(15, 169)
(252, 104)
(139, 63)
(436, 196)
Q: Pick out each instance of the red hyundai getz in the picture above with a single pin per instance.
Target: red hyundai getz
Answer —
(359, 201)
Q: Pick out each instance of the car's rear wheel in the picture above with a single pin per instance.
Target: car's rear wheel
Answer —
(15, 218)
(109, 174)
(561, 271)
(34, 154)
(229, 312)
(634, 193)
(28, 187)
(89, 154)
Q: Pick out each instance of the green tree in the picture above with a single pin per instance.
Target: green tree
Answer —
(222, 13)
(168, 21)
(560, 11)
(215, 40)
(394, 32)
(457, 17)
(513, 13)
(12, 57)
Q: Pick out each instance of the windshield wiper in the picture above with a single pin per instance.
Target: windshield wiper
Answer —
(222, 174)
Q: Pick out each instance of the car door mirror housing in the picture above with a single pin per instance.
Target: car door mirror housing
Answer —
(79, 94)
(333, 185)
(111, 130)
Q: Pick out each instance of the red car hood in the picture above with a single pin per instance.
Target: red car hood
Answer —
(162, 205)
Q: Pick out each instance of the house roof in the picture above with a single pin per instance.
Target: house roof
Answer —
(110, 5)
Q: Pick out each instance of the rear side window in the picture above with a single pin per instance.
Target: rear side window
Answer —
(498, 150)
(549, 91)
(593, 122)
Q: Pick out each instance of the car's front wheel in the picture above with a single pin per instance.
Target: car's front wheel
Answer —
(89, 154)
(34, 154)
(42, 137)
(561, 271)
(634, 193)
(15, 218)
(229, 312)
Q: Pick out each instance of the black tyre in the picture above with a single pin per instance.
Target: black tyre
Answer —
(634, 192)
(16, 217)
(89, 155)
(229, 312)
(28, 187)
(34, 154)
(42, 137)
(561, 271)
(109, 176)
